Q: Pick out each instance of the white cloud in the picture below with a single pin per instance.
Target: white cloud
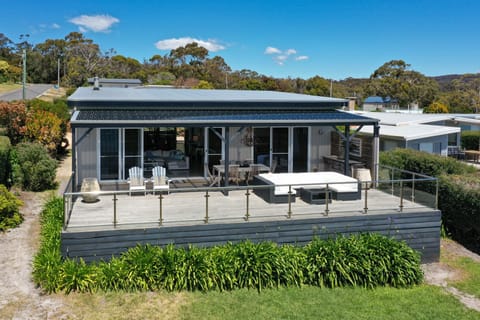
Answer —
(98, 23)
(290, 52)
(272, 50)
(301, 58)
(55, 26)
(281, 57)
(174, 43)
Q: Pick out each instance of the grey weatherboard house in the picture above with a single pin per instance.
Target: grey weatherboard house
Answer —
(188, 132)
(117, 128)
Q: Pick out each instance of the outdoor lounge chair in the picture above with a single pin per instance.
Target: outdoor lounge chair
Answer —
(234, 173)
(136, 181)
(212, 179)
(160, 179)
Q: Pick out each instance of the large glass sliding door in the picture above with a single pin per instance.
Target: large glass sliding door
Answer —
(133, 147)
(120, 149)
(300, 150)
(287, 148)
(109, 154)
(280, 147)
(215, 145)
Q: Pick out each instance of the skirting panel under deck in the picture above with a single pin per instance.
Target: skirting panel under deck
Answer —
(420, 230)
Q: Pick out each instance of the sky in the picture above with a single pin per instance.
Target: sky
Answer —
(332, 39)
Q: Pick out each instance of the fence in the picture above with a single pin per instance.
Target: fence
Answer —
(396, 190)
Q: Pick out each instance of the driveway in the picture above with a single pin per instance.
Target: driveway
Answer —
(31, 92)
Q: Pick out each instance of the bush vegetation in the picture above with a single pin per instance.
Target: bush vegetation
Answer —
(10, 216)
(366, 260)
(33, 168)
(5, 160)
(470, 140)
(459, 191)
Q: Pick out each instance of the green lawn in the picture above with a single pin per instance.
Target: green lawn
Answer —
(423, 302)
(6, 87)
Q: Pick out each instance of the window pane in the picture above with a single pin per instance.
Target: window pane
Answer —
(280, 140)
(109, 154)
(132, 142)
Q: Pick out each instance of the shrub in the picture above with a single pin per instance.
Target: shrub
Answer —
(45, 128)
(10, 216)
(423, 162)
(5, 161)
(459, 191)
(366, 260)
(33, 169)
(470, 140)
(48, 260)
(13, 116)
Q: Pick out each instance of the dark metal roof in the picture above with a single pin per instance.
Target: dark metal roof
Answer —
(132, 118)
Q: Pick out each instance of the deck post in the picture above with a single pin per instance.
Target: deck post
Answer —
(413, 188)
(114, 209)
(401, 195)
(160, 197)
(247, 214)
(64, 212)
(365, 209)
(206, 207)
(289, 213)
(326, 201)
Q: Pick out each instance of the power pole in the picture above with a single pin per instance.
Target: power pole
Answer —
(24, 76)
(58, 73)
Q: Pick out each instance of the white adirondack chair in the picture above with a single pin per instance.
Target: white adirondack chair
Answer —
(160, 179)
(136, 181)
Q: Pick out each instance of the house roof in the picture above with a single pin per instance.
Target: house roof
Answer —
(146, 106)
(411, 132)
(401, 119)
(138, 97)
(116, 81)
(373, 99)
(242, 117)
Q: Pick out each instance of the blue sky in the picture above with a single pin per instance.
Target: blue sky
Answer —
(333, 39)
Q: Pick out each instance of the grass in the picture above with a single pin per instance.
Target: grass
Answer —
(6, 87)
(421, 302)
(468, 273)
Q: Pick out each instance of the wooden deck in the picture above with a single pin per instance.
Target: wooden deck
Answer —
(92, 235)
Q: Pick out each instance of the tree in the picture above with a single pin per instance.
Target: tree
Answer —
(83, 58)
(436, 107)
(394, 80)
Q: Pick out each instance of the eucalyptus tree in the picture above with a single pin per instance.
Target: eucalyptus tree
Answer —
(83, 58)
(394, 79)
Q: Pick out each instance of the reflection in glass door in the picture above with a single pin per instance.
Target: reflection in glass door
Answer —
(300, 150)
(133, 150)
(215, 146)
(109, 154)
(280, 144)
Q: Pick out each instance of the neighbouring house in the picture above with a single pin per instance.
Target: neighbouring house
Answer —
(121, 83)
(376, 103)
(189, 130)
(433, 133)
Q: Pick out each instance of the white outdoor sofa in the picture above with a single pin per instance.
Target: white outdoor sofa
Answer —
(340, 186)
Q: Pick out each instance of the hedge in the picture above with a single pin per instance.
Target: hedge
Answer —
(5, 160)
(470, 140)
(365, 260)
(459, 191)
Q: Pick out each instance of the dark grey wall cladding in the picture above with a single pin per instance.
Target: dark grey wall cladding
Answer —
(420, 230)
